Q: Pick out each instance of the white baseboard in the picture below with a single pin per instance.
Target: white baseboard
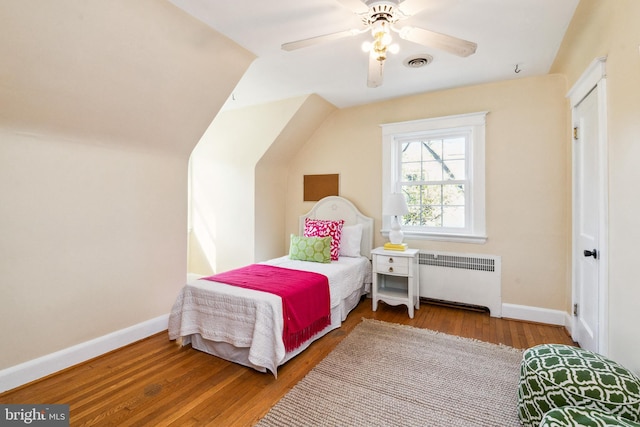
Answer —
(535, 314)
(568, 324)
(24, 373)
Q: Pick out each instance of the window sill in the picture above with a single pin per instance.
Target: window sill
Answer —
(441, 237)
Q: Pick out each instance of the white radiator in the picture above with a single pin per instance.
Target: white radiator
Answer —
(462, 278)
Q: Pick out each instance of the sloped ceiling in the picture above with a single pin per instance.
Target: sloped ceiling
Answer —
(144, 73)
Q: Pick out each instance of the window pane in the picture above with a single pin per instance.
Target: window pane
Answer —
(412, 194)
(453, 216)
(411, 151)
(432, 158)
(454, 155)
(412, 172)
(455, 169)
(432, 150)
(432, 216)
(432, 171)
(453, 195)
(454, 148)
(413, 218)
(431, 195)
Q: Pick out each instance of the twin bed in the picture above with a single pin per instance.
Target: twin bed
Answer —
(245, 325)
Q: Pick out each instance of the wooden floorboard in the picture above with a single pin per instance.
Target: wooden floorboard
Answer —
(155, 382)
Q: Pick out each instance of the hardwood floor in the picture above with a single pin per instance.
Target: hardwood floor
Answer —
(155, 382)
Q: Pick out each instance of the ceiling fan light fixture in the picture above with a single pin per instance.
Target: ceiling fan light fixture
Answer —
(385, 10)
(380, 18)
(386, 39)
(381, 39)
(381, 32)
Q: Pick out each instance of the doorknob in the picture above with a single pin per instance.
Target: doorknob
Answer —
(593, 253)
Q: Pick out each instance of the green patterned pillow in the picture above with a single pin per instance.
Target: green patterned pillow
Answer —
(315, 249)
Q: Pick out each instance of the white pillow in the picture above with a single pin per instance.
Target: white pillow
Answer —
(350, 241)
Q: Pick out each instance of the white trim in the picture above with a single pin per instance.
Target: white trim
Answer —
(595, 78)
(458, 238)
(32, 370)
(568, 324)
(534, 314)
(445, 122)
(589, 79)
(603, 232)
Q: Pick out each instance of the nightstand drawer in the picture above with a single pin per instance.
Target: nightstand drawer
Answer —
(392, 265)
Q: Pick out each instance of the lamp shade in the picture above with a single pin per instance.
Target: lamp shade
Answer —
(396, 205)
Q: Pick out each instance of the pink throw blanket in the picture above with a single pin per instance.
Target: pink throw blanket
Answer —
(306, 304)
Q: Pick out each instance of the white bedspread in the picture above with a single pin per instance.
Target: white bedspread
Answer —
(252, 319)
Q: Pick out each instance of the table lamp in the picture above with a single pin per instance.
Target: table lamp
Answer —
(396, 205)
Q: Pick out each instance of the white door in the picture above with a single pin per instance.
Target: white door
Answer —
(586, 217)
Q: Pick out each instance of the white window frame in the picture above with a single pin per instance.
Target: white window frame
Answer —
(393, 134)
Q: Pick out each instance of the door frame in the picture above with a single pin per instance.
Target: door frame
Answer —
(594, 78)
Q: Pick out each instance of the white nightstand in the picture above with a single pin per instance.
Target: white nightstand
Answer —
(395, 278)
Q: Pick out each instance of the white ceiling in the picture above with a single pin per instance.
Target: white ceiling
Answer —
(512, 35)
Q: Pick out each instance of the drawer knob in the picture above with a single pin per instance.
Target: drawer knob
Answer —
(390, 260)
(390, 269)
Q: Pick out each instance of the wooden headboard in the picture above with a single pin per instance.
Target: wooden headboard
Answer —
(335, 208)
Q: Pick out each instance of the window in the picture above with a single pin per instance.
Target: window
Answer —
(438, 164)
(434, 181)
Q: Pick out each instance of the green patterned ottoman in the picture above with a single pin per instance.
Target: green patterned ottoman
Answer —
(574, 416)
(556, 375)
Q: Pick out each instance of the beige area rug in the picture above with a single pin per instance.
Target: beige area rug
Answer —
(385, 374)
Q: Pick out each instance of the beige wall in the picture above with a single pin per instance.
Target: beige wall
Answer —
(611, 29)
(86, 235)
(238, 182)
(272, 174)
(526, 179)
(102, 103)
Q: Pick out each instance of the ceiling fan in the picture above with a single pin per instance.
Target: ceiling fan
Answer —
(380, 17)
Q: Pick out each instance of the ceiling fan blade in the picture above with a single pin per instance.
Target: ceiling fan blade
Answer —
(356, 5)
(376, 68)
(318, 39)
(412, 7)
(440, 41)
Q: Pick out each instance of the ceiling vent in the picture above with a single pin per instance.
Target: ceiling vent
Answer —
(418, 61)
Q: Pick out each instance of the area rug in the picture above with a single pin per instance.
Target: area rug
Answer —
(385, 374)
